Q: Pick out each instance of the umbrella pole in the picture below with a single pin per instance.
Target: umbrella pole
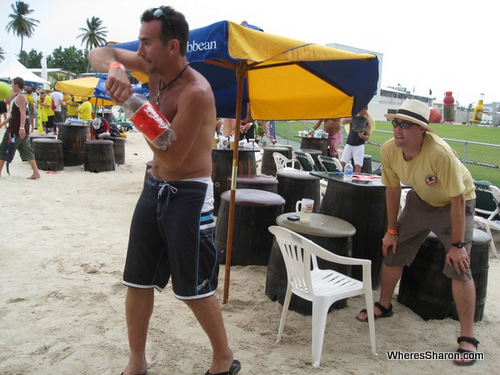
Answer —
(240, 73)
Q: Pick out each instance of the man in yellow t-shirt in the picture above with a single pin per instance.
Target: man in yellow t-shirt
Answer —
(441, 200)
(85, 110)
(73, 104)
(45, 104)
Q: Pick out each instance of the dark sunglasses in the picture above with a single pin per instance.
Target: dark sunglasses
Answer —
(403, 125)
(159, 13)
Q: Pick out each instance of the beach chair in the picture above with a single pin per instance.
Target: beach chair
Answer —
(329, 163)
(283, 162)
(487, 210)
(322, 287)
(306, 161)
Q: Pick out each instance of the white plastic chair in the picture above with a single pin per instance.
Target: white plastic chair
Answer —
(322, 287)
(283, 162)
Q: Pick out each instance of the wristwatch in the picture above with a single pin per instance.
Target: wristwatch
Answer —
(458, 245)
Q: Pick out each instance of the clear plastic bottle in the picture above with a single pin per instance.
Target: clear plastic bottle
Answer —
(348, 171)
(149, 121)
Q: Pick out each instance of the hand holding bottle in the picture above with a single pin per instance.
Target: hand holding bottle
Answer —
(149, 121)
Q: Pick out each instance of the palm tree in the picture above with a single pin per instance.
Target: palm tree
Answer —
(2, 54)
(94, 35)
(20, 25)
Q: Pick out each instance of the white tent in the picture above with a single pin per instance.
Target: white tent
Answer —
(11, 68)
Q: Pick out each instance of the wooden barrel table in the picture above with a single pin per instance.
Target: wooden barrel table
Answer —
(254, 212)
(118, 147)
(427, 291)
(73, 139)
(48, 154)
(99, 156)
(293, 185)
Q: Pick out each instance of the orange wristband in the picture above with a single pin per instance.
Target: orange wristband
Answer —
(117, 65)
(392, 231)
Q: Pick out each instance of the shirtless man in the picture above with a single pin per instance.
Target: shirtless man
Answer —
(332, 127)
(172, 229)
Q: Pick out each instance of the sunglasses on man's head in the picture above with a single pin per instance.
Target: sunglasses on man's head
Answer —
(159, 13)
(403, 125)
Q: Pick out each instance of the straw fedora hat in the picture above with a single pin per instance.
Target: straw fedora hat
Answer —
(414, 111)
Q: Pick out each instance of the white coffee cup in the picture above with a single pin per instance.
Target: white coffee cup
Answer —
(305, 208)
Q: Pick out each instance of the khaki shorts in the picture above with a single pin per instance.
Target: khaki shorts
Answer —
(415, 223)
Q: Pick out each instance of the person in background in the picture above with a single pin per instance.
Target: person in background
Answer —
(35, 94)
(332, 127)
(58, 99)
(355, 144)
(73, 104)
(85, 110)
(18, 130)
(64, 105)
(31, 108)
(172, 230)
(42, 107)
(100, 126)
(248, 125)
(218, 127)
(442, 200)
(3, 110)
(48, 118)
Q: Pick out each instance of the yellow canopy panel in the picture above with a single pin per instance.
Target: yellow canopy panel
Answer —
(245, 43)
(294, 92)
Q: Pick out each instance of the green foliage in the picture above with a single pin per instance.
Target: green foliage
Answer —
(31, 60)
(94, 35)
(70, 59)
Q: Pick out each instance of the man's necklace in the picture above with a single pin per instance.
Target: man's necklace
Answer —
(158, 96)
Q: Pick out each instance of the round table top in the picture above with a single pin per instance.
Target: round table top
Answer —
(254, 198)
(276, 148)
(320, 225)
(99, 142)
(256, 179)
(46, 140)
(47, 136)
(296, 174)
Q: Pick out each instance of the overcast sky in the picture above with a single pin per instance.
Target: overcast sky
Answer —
(442, 45)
